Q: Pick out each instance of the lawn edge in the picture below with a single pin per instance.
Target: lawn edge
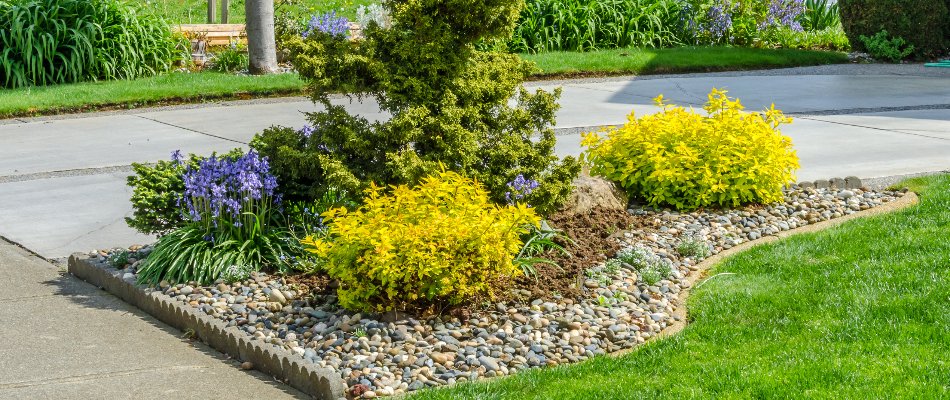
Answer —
(700, 274)
(613, 73)
(169, 101)
(322, 383)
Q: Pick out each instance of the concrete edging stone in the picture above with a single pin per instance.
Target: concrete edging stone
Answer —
(321, 383)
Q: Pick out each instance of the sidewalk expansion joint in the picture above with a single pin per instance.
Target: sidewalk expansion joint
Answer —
(65, 173)
(190, 130)
(18, 299)
(871, 110)
(899, 132)
(96, 376)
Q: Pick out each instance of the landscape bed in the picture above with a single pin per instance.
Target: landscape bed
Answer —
(618, 304)
(855, 311)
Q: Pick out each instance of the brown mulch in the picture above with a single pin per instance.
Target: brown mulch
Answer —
(594, 238)
(315, 283)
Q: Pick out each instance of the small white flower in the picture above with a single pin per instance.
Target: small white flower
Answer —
(373, 13)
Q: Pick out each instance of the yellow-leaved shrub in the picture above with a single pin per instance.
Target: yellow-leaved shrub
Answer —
(687, 160)
(442, 241)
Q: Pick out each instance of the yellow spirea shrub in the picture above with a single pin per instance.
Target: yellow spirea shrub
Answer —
(687, 160)
(440, 242)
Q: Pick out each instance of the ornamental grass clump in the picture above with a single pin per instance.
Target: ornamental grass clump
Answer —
(687, 160)
(441, 242)
(230, 208)
(585, 25)
(47, 42)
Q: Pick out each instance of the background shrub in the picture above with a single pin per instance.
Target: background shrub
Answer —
(443, 241)
(745, 22)
(832, 38)
(582, 25)
(922, 23)
(45, 42)
(449, 104)
(232, 58)
(687, 160)
(156, 191)
(883, 47)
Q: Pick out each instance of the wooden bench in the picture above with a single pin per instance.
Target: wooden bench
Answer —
(216, 34)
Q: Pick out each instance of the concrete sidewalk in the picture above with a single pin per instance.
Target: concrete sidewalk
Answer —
(62, 179)
(65, 339)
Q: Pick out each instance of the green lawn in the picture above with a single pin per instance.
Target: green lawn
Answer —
(196, 11)
(169, 88)
(189, 88)
(677, 60)
(861, 311)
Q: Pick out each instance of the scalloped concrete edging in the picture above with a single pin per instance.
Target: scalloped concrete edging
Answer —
(321, 383)
(909, 199)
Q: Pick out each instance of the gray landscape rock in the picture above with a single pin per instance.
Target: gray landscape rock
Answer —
(592, 192)
(852, 182)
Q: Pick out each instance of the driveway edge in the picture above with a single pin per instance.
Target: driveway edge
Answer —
(322, 383)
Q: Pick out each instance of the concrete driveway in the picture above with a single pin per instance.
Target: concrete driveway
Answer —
(62, 179)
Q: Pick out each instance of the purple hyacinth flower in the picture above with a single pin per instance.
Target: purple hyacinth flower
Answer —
(306, 131)
(328, 23)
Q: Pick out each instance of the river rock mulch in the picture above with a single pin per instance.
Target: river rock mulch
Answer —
(617, 305)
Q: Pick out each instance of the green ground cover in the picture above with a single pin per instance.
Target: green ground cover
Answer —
(196, 87)
(857, 311)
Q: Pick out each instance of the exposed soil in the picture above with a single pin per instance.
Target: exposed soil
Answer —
(594, 238)
(306, 284)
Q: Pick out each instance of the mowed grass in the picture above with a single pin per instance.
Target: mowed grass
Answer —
(860, 311)
(168, 88)
(196, 11)
(676, 60)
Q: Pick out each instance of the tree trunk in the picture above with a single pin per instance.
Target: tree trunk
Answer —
(261, 48)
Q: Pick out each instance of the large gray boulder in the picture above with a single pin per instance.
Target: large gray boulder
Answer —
(591, 192)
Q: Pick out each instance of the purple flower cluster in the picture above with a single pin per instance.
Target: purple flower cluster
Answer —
(178, 158)
(687, 18)
(520, 188)
(328, 23)
(784, 13)
(306, 131)
(719, 20)
(225, 188)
